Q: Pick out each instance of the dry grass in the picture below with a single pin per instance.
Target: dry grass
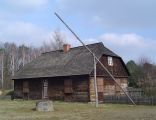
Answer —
(24, 110)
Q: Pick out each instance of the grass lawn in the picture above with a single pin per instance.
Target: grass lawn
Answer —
(24, 110)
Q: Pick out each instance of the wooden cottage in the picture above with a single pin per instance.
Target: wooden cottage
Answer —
(68, 75)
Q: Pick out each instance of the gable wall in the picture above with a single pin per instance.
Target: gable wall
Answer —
(109, 86)
(118, 69)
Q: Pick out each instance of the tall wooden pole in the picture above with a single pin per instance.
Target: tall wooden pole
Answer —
(2, 67)
(95, 83)
(95, 58)
(13, 69)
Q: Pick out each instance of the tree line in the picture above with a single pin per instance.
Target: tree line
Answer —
(14, 57)
(143, 75)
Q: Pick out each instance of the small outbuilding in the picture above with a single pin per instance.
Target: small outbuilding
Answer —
(68, 75)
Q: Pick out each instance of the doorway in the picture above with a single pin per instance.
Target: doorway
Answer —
(25, 90)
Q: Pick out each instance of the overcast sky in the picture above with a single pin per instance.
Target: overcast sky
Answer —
(128, 27)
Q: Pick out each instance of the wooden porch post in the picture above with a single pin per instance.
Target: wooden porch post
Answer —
(45, 89)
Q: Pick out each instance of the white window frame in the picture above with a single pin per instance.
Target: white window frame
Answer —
(110, 61)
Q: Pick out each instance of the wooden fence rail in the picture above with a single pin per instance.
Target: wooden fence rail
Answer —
(124, 100)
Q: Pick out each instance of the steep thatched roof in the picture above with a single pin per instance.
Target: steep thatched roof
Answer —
(78, 61)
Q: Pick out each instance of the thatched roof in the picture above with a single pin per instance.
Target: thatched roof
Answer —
(78, 61)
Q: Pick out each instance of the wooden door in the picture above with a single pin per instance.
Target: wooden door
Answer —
(25, 89)
(45, 89)
(68, 90)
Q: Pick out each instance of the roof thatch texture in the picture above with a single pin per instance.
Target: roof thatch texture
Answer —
(78, 61)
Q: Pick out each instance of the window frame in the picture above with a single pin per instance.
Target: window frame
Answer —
(110, 61)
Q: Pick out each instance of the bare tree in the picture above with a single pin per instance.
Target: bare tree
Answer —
(46, 47)
(13, 57)
(23, 54)
(33, 53)
(58, 40)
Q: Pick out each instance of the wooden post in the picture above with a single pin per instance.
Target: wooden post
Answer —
(45, 89)
(95, 83)
(2, 70)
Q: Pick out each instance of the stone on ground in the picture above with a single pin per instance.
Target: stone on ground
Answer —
(45, 106)
(1, 92)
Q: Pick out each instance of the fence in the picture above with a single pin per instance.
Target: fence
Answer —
(124, 100)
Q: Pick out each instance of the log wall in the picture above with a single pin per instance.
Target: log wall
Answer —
(77, 90)
(35, 89)
(32, 91)
(32, 88)
(106, 87)
(56, 88)
(111, 88)
(92, 90)
(81, 89)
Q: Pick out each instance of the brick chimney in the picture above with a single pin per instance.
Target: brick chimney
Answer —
(66, 47)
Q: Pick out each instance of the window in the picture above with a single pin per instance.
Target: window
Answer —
(110, 61)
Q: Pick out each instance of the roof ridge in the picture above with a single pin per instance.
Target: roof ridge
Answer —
(72, 48)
